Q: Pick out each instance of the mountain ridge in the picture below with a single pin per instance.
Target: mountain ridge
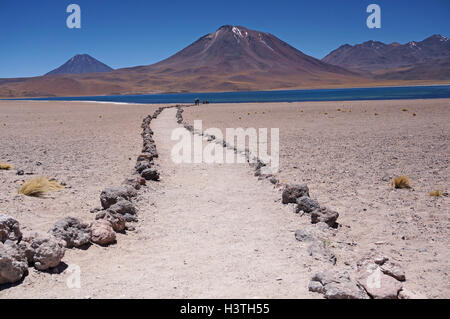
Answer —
(375, 55)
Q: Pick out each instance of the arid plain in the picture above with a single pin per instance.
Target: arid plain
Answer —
(210, 230)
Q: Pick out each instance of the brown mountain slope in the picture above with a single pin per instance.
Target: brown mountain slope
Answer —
(435, 70)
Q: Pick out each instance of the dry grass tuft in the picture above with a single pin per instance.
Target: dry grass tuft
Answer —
(6, 166)
(39, 186)
(401, 182)
(436, 193)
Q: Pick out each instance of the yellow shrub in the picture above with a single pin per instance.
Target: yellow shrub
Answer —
(401, 182)
(6, 166)
(436, 193)
(39, 186)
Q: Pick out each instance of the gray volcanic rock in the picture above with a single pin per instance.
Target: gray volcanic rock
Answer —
(13, 262)
(44, 251)
(9, 229)
(81, 63)
(306, 204)
(324, 215)
(292, 192)
(73, 231)
(112, 195)
(150, 174)
(122, 207)
(336, 285)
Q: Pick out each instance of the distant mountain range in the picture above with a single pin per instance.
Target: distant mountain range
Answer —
(81, 63)
(374, 55)
(236, 58)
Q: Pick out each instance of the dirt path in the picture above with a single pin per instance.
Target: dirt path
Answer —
(205, 231)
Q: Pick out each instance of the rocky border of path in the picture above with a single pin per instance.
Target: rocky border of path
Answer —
(377, 276)
(45, 251)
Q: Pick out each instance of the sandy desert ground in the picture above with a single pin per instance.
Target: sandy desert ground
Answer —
(347, 153)
(215, 230)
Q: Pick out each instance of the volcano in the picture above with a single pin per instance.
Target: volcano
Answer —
(81, 63)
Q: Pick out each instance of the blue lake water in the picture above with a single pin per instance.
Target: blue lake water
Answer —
(376, 93)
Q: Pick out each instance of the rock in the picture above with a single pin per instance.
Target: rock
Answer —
(325, 215)
(150, 174)
(319, 251)
(145, 157)
(111, 195)
(117, 221)
(304, 235)
(102, 232)
(73, 231)
(336, 285)
(316, 286)
(306, 204)
(44, 251)
(122, 207)
(130, 227)
(292, 192)
(9, 229)
(379, 285)
(377, 274)
(133, 182)
(20, 172)
(143, 165)
(13, 262)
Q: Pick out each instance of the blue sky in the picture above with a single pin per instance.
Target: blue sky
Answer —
(34, 38)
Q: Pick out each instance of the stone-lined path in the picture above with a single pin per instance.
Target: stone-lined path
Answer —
(205, 231)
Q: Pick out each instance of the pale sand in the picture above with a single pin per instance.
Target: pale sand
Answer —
(215, 230)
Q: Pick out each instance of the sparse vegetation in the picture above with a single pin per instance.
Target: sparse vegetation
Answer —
(6, 166)
(436, 193)
(38, 186)
(401, 182)
(414, 114)
(405, 110)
